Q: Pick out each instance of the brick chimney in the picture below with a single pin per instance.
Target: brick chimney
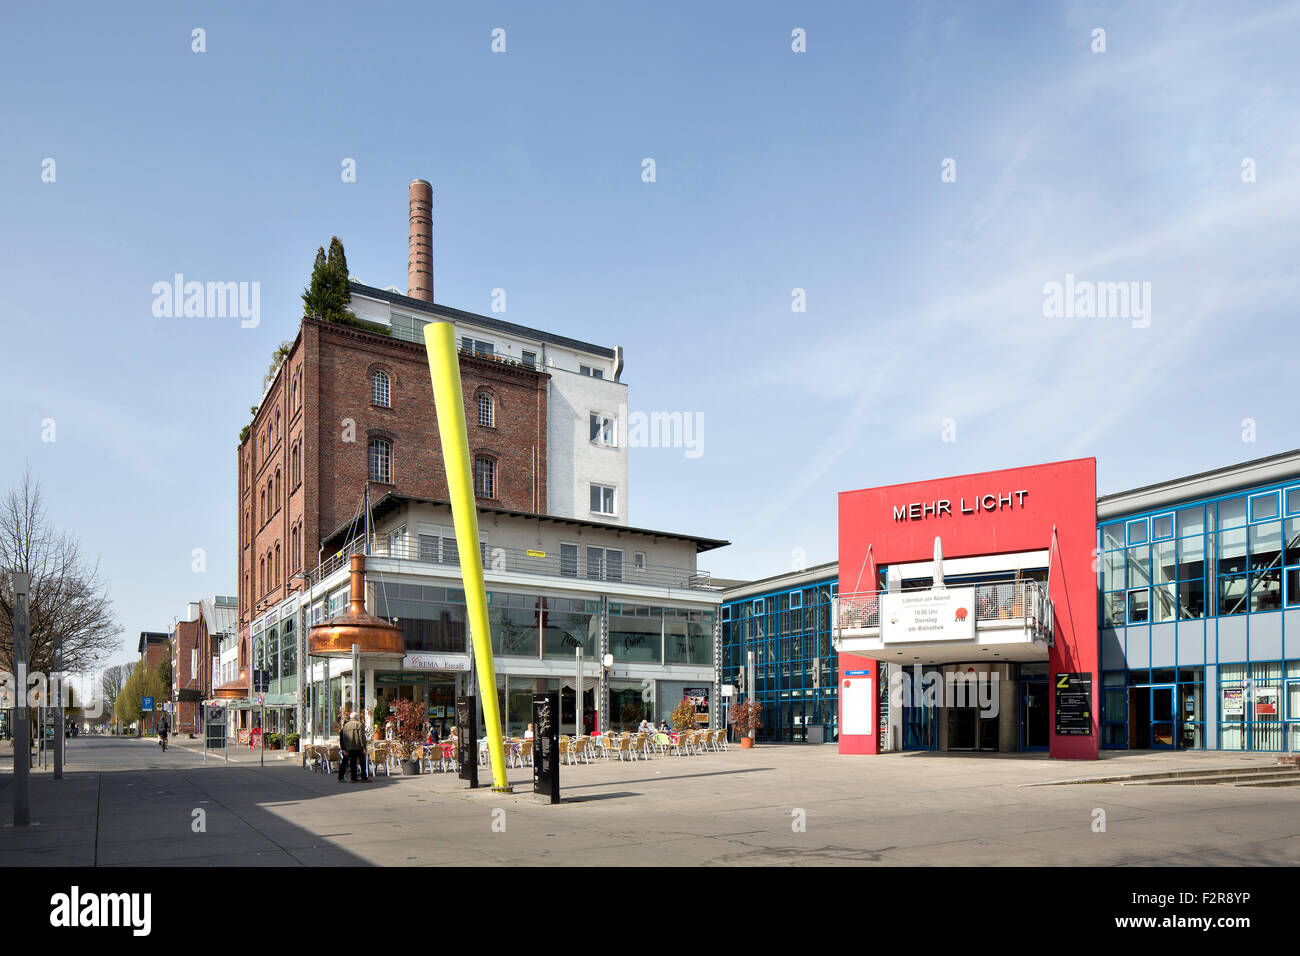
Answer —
(419, 266)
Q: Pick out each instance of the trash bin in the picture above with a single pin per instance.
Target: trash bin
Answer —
(816, 734)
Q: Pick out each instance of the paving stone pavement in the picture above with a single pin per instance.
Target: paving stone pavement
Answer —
(125, 803)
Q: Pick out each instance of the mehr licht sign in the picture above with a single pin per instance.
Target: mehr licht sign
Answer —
(939, 614)
(920, 510)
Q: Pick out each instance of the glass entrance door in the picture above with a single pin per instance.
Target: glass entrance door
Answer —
(1033, 715)
(920, 721)
(1162, 717)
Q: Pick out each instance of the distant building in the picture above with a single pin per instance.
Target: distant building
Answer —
(154, 648)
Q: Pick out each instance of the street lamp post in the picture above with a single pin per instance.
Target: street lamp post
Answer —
(22, 728)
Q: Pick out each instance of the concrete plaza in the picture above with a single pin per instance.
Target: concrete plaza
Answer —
(122, 802)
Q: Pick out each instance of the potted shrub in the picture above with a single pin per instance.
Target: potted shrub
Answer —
(683, 716)
(380, 714)
(291, 743)
(273, 741)
(408, 735)
(747, 718)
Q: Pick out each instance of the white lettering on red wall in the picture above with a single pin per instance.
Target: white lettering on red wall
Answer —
(920, 510)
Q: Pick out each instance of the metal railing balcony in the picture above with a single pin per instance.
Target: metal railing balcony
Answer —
(528, 561)
(1014, 602)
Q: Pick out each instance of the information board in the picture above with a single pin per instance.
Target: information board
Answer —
(855, 705)
(466, 742)
(1074, 705)
(546, 745)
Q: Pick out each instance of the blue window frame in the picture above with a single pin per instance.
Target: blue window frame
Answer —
(1263, 507)
(1137, 531)
(1293, 501)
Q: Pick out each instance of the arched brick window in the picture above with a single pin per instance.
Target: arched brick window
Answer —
(380, 389)
(487, 409)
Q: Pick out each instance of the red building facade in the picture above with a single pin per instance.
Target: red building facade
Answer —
(1045, 510)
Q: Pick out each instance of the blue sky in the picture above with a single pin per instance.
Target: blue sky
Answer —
(775, 170)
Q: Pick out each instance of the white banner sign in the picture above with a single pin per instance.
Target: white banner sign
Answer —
(434, 662)
(947, 614)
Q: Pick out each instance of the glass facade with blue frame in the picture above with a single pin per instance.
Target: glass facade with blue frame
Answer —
(1200, 623)
(796, 668)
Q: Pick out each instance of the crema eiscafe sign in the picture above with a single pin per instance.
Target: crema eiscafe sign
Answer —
(920, 510)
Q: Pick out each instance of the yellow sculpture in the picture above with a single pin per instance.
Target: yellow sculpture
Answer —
(449, 403)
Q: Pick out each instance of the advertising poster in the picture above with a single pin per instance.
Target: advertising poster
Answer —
(1266, 702)
(1234, 702)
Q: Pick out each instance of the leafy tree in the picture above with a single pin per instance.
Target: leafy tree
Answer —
(142, 683)
(327, 296)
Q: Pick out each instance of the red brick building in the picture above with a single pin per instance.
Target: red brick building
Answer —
(350, 406)
(192, 654)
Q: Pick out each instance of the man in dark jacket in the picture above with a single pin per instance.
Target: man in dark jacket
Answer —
(352, 744)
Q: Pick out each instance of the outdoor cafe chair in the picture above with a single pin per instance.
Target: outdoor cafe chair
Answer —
(378, 757)
(332, 756)
(622, 747)
(720, 738)
(642, 747)
(662, 743)
(566, 755)
(526, 753)
(448, 757)
(427, 757)
(681, 746)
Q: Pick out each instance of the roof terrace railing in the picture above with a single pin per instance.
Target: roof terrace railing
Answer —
(442, 553)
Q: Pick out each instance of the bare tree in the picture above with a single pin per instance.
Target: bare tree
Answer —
(111, 683)
(68, 596)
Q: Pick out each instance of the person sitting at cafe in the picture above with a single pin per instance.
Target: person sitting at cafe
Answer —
(528, 734)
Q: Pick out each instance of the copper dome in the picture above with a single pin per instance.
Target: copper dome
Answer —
(375, 636)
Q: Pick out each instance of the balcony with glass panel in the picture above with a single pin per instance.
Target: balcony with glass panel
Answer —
(1012, 621)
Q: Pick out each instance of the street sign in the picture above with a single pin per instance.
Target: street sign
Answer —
(146, 704)
(261, 699)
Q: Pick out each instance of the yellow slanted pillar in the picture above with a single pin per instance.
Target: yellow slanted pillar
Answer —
(449, 403)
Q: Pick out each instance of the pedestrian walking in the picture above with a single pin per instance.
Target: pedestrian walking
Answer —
(352, 744)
